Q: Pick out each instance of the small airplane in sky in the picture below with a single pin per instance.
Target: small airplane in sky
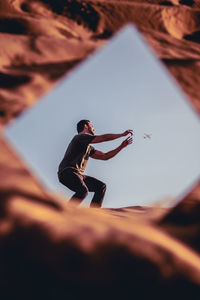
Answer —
(147, 136)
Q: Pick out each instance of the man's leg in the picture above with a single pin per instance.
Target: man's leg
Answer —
(74, 182)
(99, 189)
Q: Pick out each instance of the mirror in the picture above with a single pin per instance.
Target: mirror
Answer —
(121, 86)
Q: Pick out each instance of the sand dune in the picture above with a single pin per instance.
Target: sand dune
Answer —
(48, 246)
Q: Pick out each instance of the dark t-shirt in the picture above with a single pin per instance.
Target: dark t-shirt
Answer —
(77, 153)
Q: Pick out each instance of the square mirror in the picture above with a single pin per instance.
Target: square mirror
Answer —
(121, 86)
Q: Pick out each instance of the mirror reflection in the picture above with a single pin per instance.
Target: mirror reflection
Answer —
(123, 86)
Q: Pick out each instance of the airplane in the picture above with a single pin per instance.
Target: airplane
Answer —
(147, 136)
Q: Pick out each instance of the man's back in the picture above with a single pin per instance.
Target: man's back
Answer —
(77, 153)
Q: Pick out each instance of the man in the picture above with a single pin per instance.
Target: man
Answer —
(72, 167)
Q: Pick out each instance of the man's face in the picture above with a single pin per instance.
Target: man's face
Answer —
(90, 128)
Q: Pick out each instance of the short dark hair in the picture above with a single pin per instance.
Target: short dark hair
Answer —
(80, 125)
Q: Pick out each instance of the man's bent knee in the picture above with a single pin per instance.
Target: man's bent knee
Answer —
(103, 187)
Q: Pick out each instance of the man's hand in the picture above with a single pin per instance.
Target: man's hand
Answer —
(127, 142)
(129, 131)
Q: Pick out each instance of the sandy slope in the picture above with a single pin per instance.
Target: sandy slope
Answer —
(54, 249)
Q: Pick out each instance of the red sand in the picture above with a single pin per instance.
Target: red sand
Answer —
(49, 249)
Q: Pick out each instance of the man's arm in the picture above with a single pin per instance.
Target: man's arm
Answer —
(110, 136)
(105, 156)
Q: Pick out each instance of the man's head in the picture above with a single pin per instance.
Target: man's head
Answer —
(85, 126)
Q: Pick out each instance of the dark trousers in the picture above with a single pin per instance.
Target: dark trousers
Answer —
(81, 185)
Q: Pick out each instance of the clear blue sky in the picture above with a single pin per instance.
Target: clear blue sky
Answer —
(122, 86)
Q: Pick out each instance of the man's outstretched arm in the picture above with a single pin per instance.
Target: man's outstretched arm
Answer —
(110, 136)
(105, 156)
